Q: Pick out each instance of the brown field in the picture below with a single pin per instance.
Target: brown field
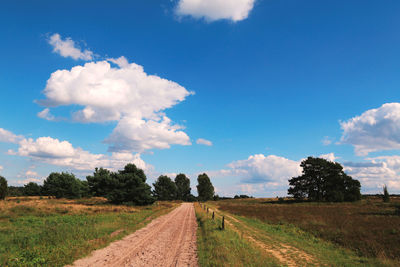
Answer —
(46, 205)
(369, 227)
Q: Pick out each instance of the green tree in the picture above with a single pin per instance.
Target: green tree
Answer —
(101, 182)
(386, 196)
(205, 188)
(15, 191)
(125, 186)
(164, 188)
(3, 188)
(62, 185)
(323, 180)
(32, 189)
(183, 187)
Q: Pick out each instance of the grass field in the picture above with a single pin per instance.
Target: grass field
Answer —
(368, 229)
(52, 232)
(218, 247)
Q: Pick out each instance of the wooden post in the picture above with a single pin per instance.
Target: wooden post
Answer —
(207, 210)
(213, 216)
(223, 222)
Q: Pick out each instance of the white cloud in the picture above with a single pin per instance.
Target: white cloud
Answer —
(67, 48)
(9, 137)
(45, 114)
(375, 173)
(374, 130)
(205, 142)
(212, 10)
(62, 153)
(258, 168)
(329, 156)
(30, 173)
(124, 93)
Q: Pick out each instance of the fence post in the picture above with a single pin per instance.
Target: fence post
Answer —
(207, 210)
(213, 216)
(223, 222)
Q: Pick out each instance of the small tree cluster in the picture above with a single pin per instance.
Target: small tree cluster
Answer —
(323, 180)
(64, 185)
(125, 186)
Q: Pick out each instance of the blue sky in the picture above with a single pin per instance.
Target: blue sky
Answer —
(263, 84)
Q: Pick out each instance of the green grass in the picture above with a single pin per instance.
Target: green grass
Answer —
(29, 237)
(218, 247)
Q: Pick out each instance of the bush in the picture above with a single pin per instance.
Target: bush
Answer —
(3, 188)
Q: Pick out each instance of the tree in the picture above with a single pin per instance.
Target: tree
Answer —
(62, 185)
(205, 188)
(101, 182)
(126, 186)
(323, 180)
(164, 188)
(386, 196)
(32, 189)
(3, 188)
(183, 187)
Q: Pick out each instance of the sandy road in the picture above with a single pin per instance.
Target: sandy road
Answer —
(169, 240)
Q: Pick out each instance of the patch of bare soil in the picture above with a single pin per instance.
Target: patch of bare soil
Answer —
(169, 240)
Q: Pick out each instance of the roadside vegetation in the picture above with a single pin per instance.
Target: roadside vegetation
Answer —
(217, 247)
(369, 228)
(37, 231)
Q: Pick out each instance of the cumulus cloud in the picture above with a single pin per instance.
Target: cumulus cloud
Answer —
(68, 48)
(205, 142)
(212, 10)
(376, 172)
(61, 153)
(374, 130)
(263, 169)
(9, 137)
(123, 93)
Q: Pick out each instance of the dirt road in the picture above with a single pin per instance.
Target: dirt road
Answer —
(169, 240)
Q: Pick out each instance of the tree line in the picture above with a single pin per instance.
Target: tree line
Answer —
(321, 180)
(127, 186)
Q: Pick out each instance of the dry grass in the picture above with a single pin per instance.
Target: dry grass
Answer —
(369, 227)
